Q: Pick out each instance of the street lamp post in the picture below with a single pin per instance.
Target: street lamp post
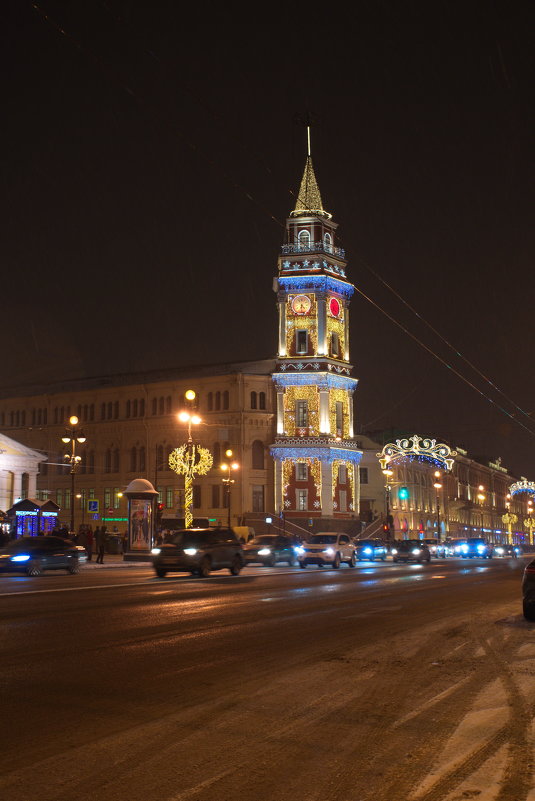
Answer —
(189, 460)
(81, 498)
(228, 466)
(73, 436)
(437, 485)
(387, 472)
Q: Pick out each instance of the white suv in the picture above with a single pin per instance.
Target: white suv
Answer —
(328, 548)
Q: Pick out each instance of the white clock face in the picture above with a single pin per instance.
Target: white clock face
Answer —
(301, 304)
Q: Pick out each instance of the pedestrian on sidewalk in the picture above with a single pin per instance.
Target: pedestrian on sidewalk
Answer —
(100, 540)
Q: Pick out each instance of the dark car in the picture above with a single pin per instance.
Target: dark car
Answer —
(33, 555)
(410, 551)
(475, 547)
(370, 550)
(528, 591)
(199, 551)
(507, 551)
(268, 549)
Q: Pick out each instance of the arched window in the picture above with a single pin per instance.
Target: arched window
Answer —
(79, 412)
(39, 417)
(134, 408)
(56, 415)
(262, 400)
(225, 399)
(154, 405)
(218, 401)
(168, 404)
(161, 406)
(92, 412)
(210, 401)
(107, 461)
(328, 242)
(142, 460)
(142, 407)
(110, 410)
(133, 459)
(86, 412)
(303, 239)
(116, 410)
(216, 453)
(253, 400)
(102, 411)
(257, 450)
(128, 405)
(116, 460)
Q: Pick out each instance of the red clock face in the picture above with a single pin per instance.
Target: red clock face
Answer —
(334, 307)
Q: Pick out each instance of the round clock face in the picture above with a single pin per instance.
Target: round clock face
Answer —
(301, 304)
(334, 307)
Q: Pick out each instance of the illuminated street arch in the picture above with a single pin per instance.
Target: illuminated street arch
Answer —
(522, 486)
(417, 449)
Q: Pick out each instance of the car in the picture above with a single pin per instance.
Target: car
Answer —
(370, 550)
(33, 555)
(268, 549)
(528, 591)
(436, 547)
(327, 548)
(410, 551)
(475, 547)
(199, 551)
(504, 551)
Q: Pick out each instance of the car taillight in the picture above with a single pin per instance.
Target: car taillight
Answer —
(530, 569)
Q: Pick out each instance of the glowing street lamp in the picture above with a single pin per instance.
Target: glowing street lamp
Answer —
(189, 460)
(228, 467)
(73, 436)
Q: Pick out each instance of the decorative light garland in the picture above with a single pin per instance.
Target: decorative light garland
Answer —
(339, 395)
(288, 466)
(321, 380)
(315, 283)
(324, 454)
(419, 449)
(522, 486)
(188, 461)
(337, 463)
(295, 393)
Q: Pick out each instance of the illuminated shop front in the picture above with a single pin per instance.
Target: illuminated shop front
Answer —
(31, 517)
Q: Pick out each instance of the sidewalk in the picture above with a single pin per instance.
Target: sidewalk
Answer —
(112, 560)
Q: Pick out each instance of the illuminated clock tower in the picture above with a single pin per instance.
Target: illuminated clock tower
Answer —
(316, 456)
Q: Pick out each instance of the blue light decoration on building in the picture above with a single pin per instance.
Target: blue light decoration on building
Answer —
(315, 283)
(328, 454)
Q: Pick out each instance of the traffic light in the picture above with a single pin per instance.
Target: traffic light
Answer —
(403, 493)
(159, 510)
(386, 528)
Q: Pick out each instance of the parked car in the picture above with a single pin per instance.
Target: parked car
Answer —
(475, 547)
(528, 591)
(199, 551)
(33, 555)
(327, 548)
(370, 550)
(436, 548)
(410, 551)
(511, 551)
(268, 549)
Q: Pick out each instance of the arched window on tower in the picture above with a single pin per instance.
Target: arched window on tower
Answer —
(328, 243)
(303, 239)
(257, 451)
(262, 400)
(335, 344)
(253, 400)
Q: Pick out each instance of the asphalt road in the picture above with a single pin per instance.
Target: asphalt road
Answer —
(384, 683)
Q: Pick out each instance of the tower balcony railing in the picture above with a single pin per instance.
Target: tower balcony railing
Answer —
(314, 247)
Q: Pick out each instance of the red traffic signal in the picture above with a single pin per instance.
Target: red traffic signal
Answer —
(160, 507)
(386, 527)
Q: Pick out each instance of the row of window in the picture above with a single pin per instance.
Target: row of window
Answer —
(137, 459)
(110, 410)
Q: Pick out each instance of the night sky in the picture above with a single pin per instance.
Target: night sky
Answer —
(151, 155)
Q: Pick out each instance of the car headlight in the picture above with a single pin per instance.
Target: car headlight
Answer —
(464, 548)
(264, 552)
(299, 549)
(190, 551)
(367, 550)
(499, 550)
(329, 551)
(416, 551)
(394, 551)
(156, 550)
(480, 548)
(21, 557)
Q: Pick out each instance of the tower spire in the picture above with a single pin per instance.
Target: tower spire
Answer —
(309, 197)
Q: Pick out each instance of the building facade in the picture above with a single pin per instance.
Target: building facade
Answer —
(19, 467)
(130, 423)
(316, 455)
